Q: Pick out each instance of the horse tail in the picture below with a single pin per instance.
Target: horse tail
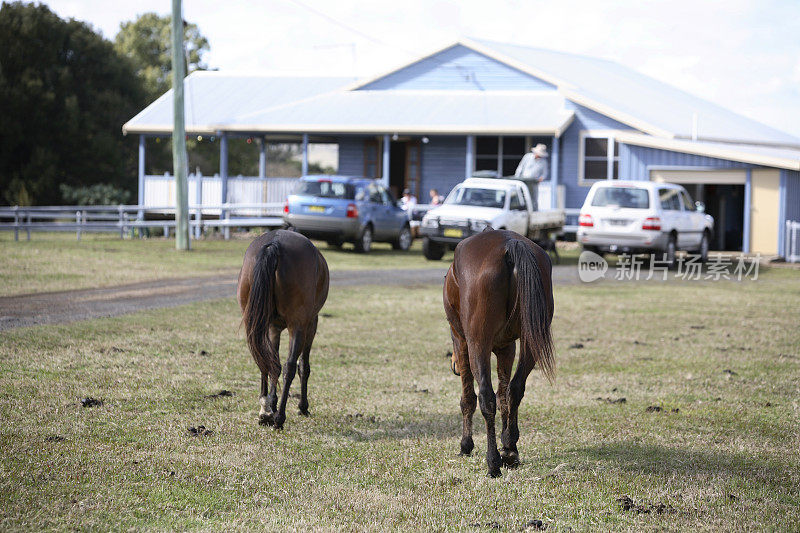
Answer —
(536, 342)
(260, 310)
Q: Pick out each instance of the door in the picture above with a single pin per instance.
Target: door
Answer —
(672, 214)
(372, 159)
(413, 168)
(517, 213)
(695, 220)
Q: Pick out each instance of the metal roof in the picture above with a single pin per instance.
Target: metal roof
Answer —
(633, 98)
(415, 112)
(214, 98)
(770, 156)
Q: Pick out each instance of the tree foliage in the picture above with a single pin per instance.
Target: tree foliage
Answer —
(147, 42)
(64, 94)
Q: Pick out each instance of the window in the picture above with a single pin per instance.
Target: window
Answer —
(688, 205)
(670, 199)
(325, 189)
(514, 204)
(597, 151)
(627, 197)
(477, 197)
(503, 154)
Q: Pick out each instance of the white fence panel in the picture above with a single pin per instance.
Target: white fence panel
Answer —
(159, 191)
(792, 241)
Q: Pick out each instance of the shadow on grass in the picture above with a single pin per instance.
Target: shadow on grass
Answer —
(408, 426)
(660, 460)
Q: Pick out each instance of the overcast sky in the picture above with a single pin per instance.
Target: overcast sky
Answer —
(741, 54)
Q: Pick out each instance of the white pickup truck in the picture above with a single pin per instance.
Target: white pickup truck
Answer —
(478, 203)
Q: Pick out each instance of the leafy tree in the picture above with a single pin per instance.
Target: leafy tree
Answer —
(64, 94)
(147, 42)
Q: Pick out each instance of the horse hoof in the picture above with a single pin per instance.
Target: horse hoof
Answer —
(302, 411)
(279, 420)
(266, 420)
(510, 459)
(466, 446)
(495, 472)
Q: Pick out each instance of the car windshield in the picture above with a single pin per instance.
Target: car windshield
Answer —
(326, 189)
(628, 197)
(477, 197)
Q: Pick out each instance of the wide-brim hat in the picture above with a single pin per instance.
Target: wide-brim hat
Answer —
(540, 150)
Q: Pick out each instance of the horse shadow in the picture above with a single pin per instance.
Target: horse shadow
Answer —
(367, 428)
(638, 458)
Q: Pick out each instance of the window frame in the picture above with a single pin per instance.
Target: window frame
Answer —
(610, 158)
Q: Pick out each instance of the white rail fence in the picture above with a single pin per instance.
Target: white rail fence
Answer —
(125, 218)
(206, 191)
(792, 245)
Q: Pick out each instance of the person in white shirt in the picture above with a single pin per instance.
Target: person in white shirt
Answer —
(533, 168)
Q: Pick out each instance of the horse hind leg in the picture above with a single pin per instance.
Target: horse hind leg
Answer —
(305, 370)
(469, 400)
(479, 358)
(269, 391)
(295, 349)
(505, 362)
(516, 391)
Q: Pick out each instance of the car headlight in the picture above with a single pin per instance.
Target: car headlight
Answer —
(478, 225)
(430, 222)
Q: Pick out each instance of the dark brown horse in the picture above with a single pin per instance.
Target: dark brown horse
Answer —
(498, 290)
(283, 284)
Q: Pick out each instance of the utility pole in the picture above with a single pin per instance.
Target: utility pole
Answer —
(179, 162)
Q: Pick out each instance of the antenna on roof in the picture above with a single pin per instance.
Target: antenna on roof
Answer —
(694, 126)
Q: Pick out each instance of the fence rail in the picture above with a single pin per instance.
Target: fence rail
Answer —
(124, 218)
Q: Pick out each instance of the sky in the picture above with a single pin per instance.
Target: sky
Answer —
(741, 54)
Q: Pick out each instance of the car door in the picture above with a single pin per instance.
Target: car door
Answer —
(517, 212)
(395, 217)
(695, 220)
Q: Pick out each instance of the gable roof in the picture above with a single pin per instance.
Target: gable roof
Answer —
(623, 94)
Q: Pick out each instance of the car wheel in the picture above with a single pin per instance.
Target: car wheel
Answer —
(432, 250)
(403, 241)
(704, 248)
(670, 252)
(364, 241)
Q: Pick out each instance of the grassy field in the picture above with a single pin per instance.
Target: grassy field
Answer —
(54, 262)
(379, 452)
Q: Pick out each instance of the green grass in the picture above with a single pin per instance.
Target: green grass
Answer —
(54, 262)
(379, 451)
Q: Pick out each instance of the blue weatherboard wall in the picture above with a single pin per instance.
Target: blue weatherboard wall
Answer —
(634, 160)
(459, 68)
(585, 119)
(442, 164)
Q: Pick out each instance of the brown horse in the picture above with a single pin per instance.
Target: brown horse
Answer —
(283, 284)
(498, 290)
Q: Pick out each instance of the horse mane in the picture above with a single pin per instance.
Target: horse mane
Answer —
(536, 341)
(260, 309)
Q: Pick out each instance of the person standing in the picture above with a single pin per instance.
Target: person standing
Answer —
(435, 198)
(408, 202)
(533, 168)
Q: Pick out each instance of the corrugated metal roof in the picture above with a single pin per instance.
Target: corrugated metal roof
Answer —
(418, 112)
(215, 98)
(771, 156)
(631, 97)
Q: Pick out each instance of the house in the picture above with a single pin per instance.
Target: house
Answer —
(480, 105)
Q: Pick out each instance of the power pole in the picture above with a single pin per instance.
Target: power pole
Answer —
(179, 162)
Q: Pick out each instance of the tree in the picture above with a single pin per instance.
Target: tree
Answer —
(64, 94)
(146, 41)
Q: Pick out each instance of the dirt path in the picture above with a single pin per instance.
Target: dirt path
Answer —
(70, 306)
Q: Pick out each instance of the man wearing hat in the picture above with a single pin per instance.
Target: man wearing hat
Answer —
(534, 168)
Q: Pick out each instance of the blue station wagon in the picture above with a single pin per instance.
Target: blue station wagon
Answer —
(341, 209)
